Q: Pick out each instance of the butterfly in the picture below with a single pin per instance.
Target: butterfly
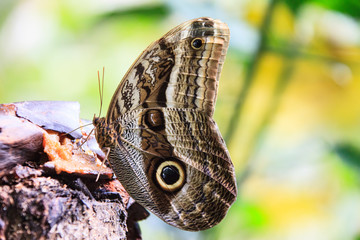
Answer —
(162, 142)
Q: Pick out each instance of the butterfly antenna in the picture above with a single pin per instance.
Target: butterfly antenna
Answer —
(102, 163)
(101, 94)
(101, 89)
(87, 138)
(76, 129)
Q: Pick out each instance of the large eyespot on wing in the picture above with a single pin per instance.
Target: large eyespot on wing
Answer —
(179, 70)
(170, 175)
(197, 43)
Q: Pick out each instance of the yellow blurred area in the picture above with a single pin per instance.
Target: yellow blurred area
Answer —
(256, 106)
(283, 25)
(255, 11)
(289, 206)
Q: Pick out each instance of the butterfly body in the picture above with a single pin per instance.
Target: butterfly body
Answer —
(165, 148)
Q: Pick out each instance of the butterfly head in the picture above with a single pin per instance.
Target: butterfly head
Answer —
(100, 131)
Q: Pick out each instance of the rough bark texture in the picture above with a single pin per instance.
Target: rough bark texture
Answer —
(39, 207)
(45, 208)
(41, 203)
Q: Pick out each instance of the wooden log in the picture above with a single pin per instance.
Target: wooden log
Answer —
(43, 199)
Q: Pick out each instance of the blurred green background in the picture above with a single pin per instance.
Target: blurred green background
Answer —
(288, 103)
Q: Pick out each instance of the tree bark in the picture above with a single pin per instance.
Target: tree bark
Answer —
(43, 199)
(39, 207)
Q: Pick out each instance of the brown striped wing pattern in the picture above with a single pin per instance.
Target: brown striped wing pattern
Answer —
(165, 147)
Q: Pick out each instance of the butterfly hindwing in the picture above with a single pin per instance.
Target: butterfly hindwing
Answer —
(191, 140)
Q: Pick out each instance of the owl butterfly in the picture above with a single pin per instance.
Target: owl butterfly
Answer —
(163, 144)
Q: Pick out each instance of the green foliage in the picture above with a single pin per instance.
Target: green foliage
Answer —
(349, 7)
(6, 7)
(245, 217)
(151, 12)
(349, 154)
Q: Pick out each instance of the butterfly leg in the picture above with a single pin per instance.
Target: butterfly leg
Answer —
(106, 150)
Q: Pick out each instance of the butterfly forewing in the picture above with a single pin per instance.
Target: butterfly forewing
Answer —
(172, 73)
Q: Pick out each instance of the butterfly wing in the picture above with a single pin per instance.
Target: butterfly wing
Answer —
(165, 148)
(180, 70)
(190, 141)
